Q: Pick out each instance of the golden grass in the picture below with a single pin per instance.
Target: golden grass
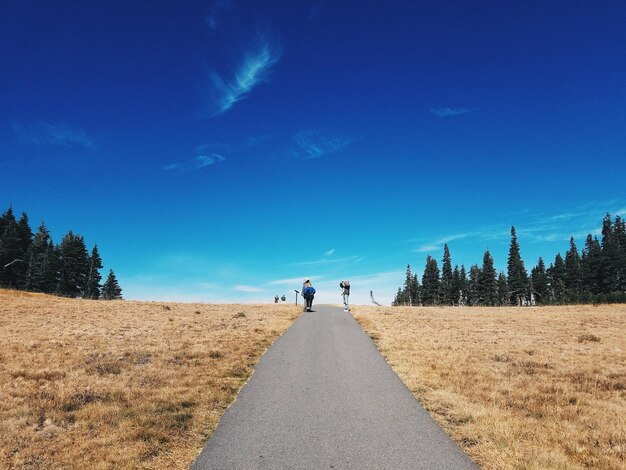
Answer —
(517, 388)
(119, 384)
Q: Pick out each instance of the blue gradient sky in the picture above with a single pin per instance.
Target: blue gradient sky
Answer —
(225, 150)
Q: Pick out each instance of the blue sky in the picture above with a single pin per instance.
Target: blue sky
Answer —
(222, 151)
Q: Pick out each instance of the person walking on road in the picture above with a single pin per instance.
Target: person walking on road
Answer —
(345, 293)
(308, 292)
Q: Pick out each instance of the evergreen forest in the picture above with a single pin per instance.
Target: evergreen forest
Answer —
(597, 274)
(32, 262)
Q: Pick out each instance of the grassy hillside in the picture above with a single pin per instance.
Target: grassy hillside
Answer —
(517, 388)
(119, 384)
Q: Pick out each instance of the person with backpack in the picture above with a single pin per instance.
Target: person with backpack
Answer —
(345, 293)
(308, 292)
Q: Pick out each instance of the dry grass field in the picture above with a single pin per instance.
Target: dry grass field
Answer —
(119, 384)
(517, 388)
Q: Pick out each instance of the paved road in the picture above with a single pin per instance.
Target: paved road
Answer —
(323, 397)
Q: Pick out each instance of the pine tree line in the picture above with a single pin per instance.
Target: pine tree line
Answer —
(595, 275)
(31, 261)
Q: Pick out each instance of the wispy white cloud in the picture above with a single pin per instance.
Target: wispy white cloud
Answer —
(329, 252)
(315, 143)
(201, 161)
(217, 9)
(538, 228)
(292, 281)
(427, 248)
(567, 216)
(330, 261)
(248, 289)
(255, 67)
(51, 135)
(214, 147)
(443, 112)
(437, 245)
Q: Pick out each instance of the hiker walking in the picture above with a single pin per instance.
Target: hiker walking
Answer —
(308, 292)
(345, 293)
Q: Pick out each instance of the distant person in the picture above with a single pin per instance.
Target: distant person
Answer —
(308, 292)
(283, 298)
(345, 293)
(276, 299)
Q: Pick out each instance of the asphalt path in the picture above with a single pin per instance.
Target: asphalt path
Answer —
(323, 397)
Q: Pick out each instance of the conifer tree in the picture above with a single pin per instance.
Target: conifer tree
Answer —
(487, 291)
(517, 276)
(619, 228)
(447, 282)
(92, 285)
(3, 220)
(42, 263)
(12, 262)
(111, 289)
(408, 281)
(463, 284)
(399, 298)
(503, 290)
(539, 281)
(609, 256)
(25, 239)
(472, 286)
(456, 286)
(430, 282)
(415, 291)
(572, 273)
(556, 276)
(73, 265)
(411, 292)
(591, 267)
(24, 233)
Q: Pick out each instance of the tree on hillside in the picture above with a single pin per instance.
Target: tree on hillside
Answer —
(73, 265)
(613, 260)
(457, 286)
(540, 283)
(42, 263)
(25, 240)
(591, 269)
(430, 282)
(556, 276)
(463, 286)
(92, 285)
(398, 299)
(609, 256)
(12, 262)
(619, 228)
(447, 294)
(111, 289)
(517, 277)
(472, 285)
(416, 291)
(411, 294)
(597, 274)
(502, 289)
(24, 233)
(487, 292)
(572, 273)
